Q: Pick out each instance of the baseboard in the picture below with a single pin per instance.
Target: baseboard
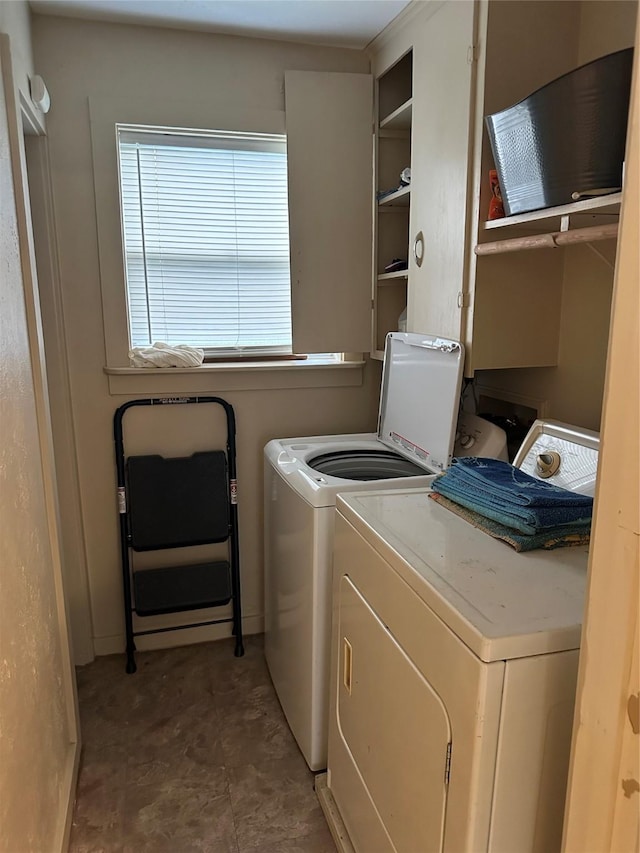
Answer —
(115, 645)
(68, 798)
(332, 815)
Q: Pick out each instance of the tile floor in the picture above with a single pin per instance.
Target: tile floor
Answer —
(192, 753)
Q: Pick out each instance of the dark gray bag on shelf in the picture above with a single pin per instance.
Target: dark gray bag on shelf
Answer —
(566, 139)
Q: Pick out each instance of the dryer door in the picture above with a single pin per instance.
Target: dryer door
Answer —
(381, 691)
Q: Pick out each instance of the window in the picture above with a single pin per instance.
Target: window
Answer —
(325, 261)
(206, 239)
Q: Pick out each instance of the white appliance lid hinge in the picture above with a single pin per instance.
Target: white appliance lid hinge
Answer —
(472, 53)
(463, 299)
(447, 765)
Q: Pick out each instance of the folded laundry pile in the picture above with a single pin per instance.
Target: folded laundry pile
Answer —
(509, 504)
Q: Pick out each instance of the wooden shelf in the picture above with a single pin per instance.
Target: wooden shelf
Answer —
(399, 119)
(391, 277)
(399, 198)
(555, 226)
(550, 219)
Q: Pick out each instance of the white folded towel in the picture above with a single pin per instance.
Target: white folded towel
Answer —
(164, 355)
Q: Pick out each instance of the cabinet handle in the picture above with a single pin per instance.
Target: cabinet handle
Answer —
(346, 672)
(418, 248)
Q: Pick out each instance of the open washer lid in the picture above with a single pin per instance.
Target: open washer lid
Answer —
(420, 397)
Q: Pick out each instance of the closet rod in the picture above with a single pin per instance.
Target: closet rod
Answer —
(549, 241)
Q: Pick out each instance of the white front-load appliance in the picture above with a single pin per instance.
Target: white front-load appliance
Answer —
(417, 421)
(454, 670)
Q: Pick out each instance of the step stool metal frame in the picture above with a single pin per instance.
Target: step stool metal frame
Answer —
(125, 535)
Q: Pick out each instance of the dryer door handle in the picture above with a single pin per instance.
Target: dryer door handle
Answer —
(347, 664)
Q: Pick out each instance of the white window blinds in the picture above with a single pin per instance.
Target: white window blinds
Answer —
(206, 239)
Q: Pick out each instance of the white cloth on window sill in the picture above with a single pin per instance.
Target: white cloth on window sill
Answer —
(165, 355)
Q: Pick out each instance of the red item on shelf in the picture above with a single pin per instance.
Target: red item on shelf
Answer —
(496, 208)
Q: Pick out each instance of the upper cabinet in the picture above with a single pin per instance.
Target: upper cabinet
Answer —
(424, 81)
(449, 65)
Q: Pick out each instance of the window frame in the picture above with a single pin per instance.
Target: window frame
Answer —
(213, 140)
(104, 114)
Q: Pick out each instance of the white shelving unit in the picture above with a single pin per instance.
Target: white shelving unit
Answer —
(474, 278)
(400, 198)
(394, 114)
(390, 277)
(399, 119)
(516, 313)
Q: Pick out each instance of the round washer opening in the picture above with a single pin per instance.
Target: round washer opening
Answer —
(365, 465)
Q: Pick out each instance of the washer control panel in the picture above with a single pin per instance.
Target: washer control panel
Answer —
(564, 455)
(477, 437)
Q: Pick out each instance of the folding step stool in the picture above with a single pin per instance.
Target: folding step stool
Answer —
(175, 503)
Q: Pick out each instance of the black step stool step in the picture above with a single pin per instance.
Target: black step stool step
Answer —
(179, 588)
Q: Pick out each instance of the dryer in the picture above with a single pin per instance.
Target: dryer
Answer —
(417, 423)
(454, 667)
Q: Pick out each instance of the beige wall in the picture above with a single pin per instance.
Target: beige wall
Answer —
(605, 26)
(574, 390)
(37, 753)
(15, 21)
(80, 60)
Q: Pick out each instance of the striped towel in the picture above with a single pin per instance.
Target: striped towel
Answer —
(548, 539)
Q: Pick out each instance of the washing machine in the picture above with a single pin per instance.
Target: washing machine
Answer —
(418, 425)
(454, 669)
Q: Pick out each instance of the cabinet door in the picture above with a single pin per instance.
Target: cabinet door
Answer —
(442, 93)
(329, 119)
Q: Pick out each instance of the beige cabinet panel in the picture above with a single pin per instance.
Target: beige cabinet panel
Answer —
(535, 740)
(329, 127)
(516, 311)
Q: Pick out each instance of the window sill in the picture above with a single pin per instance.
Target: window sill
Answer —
(234, 376)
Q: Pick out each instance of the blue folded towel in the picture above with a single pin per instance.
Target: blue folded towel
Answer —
(505, 494)
(547, 539)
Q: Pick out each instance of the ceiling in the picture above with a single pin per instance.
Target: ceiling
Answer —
(343, 23)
